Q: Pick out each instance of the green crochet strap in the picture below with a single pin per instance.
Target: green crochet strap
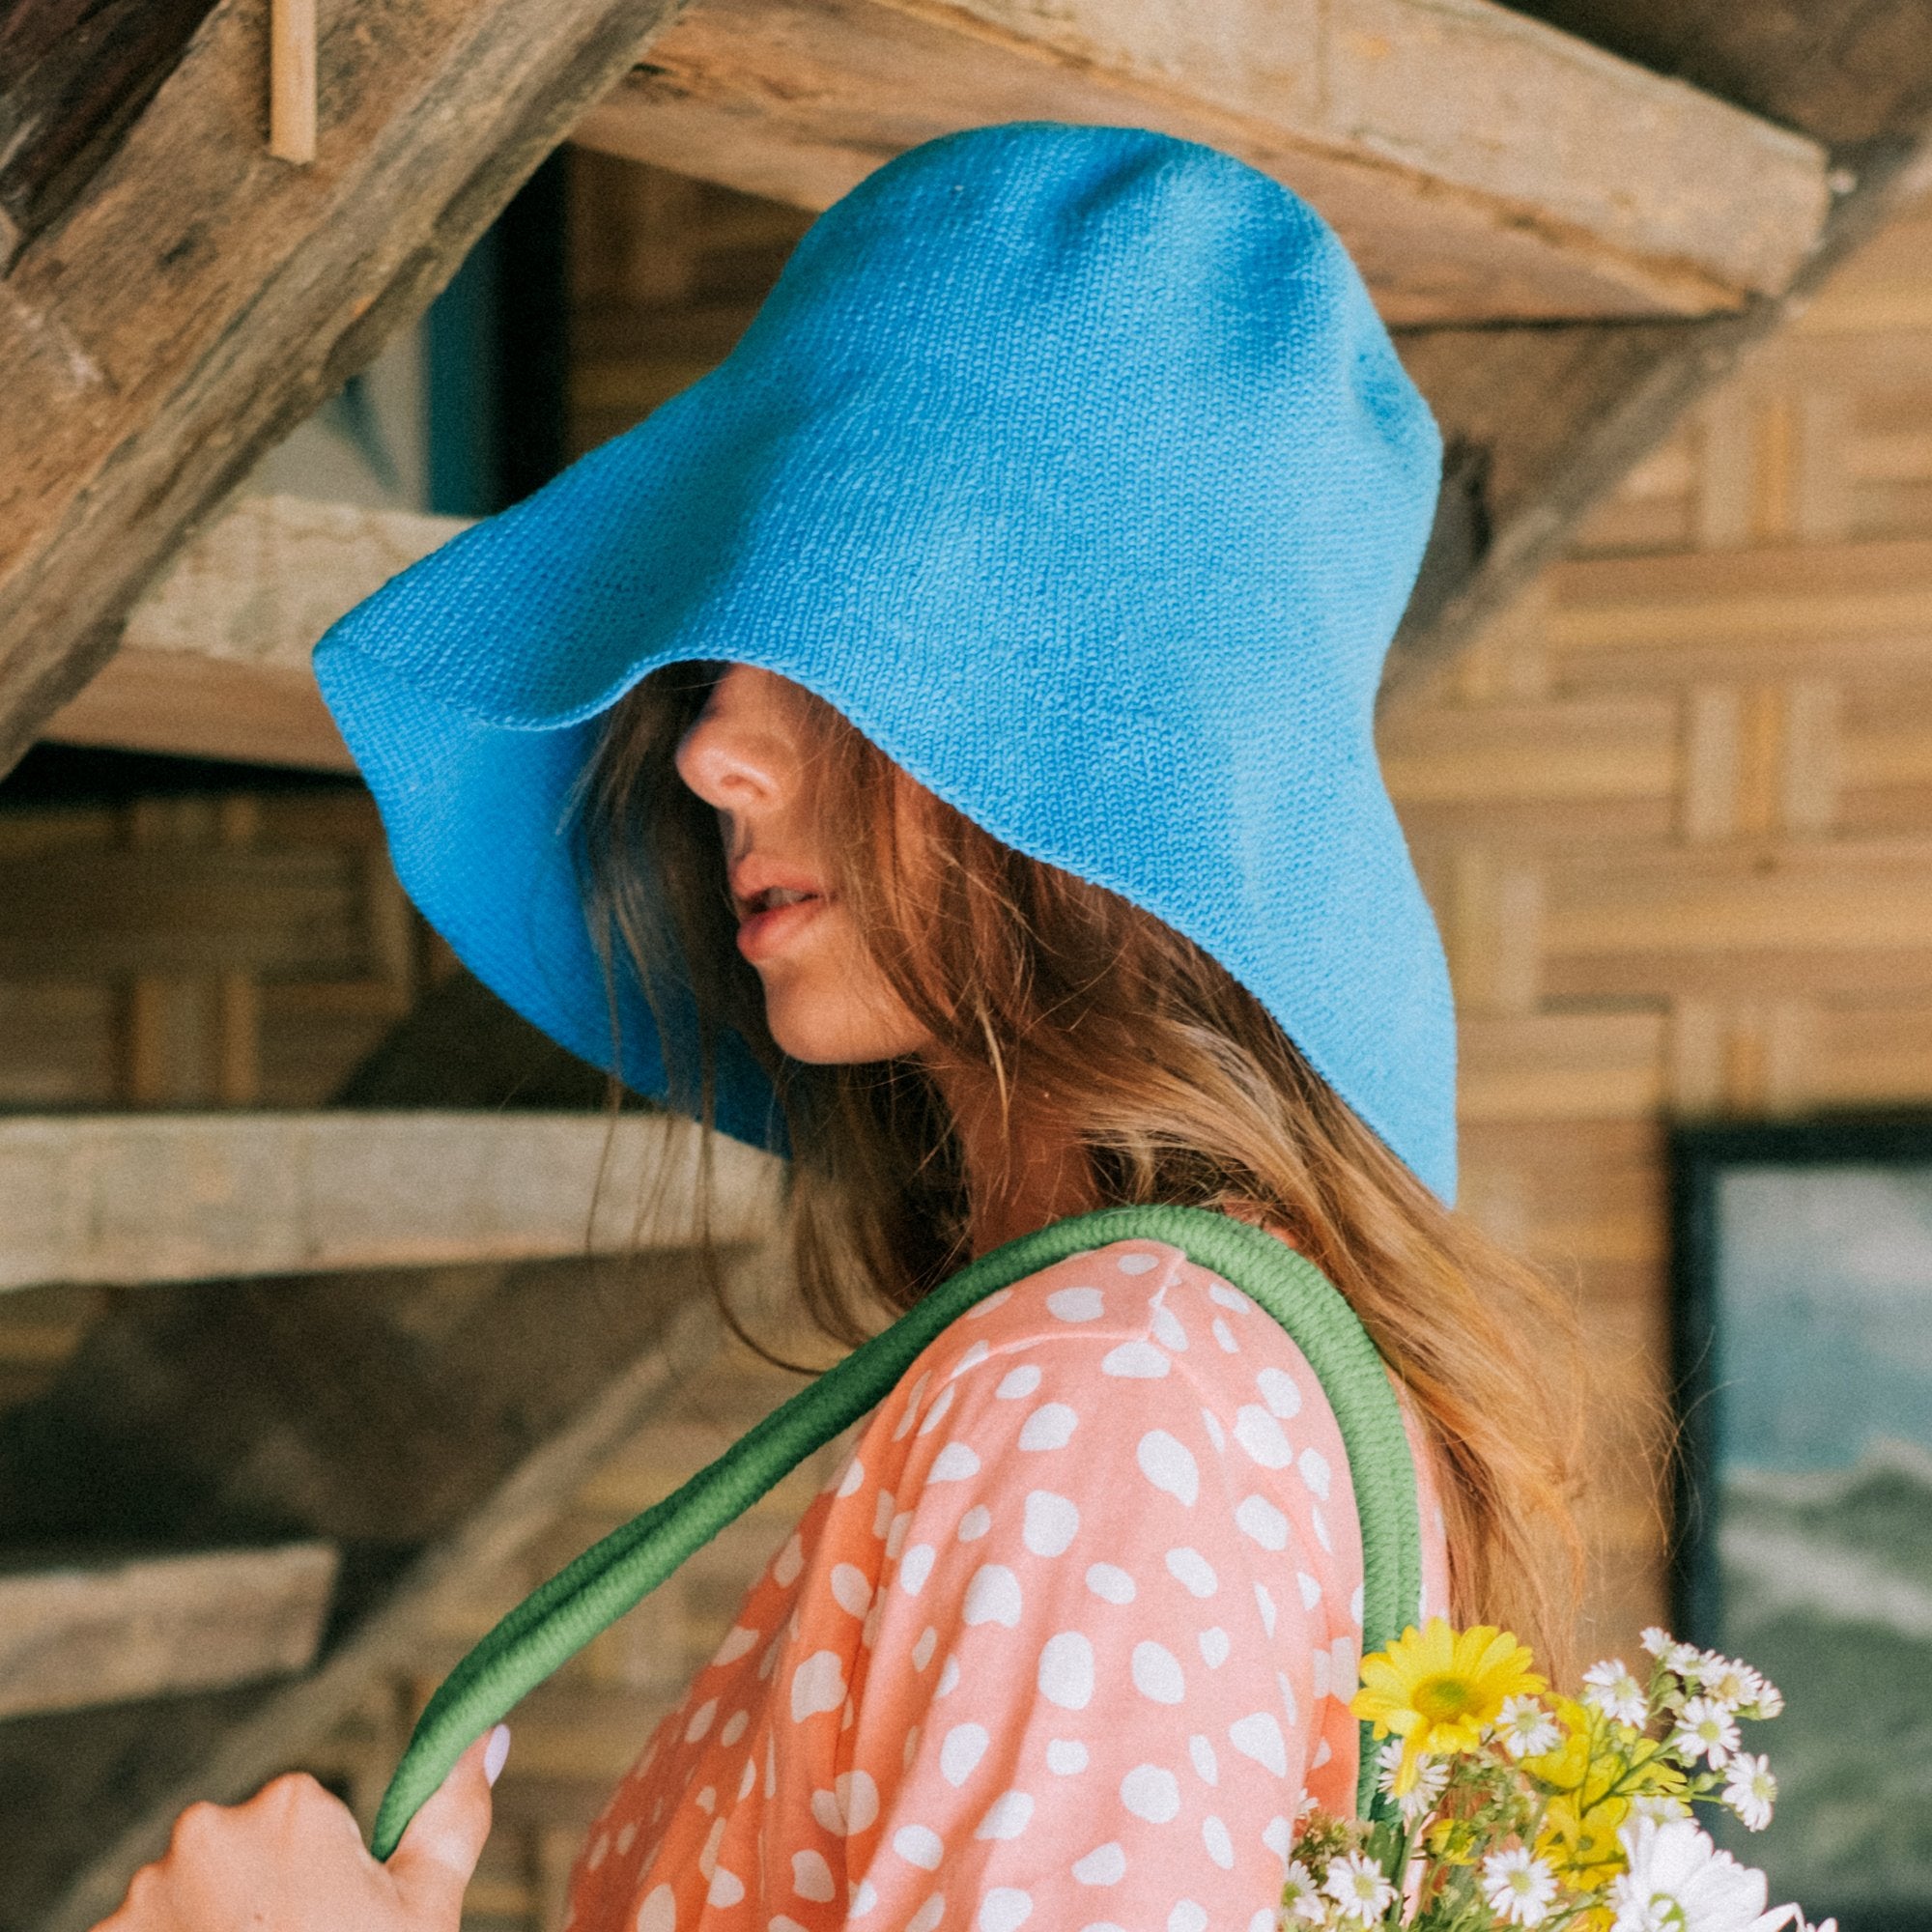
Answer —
(559, 1618)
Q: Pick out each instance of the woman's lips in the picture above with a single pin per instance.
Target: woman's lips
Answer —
(763, 934)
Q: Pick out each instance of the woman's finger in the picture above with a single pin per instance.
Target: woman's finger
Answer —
(432, 1863)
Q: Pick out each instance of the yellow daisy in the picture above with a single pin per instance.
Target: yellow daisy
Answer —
(1438, 1688)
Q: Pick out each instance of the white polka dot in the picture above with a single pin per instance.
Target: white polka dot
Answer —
(986, 1307)
(934, 1910)
(964, 1746)
(1319, 1523)
(1067, 1671)
(747, 1777)
(811, 1877)
(1017, 1384)
(734, 1728)
(1225, 1337)
(854, 1478)
(882, 1512)
(1318, 1673)
(1281, 1392)
(992, 1597)
(1104, 1864)
(700, 1720)
(1211, 1423)
(1278, 1836)
(1151, 1793)
(911, 1414)
(1261, 1521)
(1192, 1572)
(1260, 1738)
(738, 1642)
(1051, 1523)
(1214, 1647)
(659, 1910)
(918, 1845)
(1101, 1926)
(1004, 1909)
(1220, 1847)
(1186, 1916)
(1313, 1468)
(1207, 1766)
(1137, 1361)
(1228, 1297)
(1076, 1304)
(1290, 1709)
(858, 1799)
(1356, 1603)
(895, 1532)
(937, 1414)
(1311, 1590)
(818, 1684)
(1138, 1263)
(971, 1359)
(1259, 1434)
(726, 1888)
(954, 1463)
(1168, 1465)
(783, 1924)
(1264, 1920)
(975, 1524)
(598, 1852)
(922, 1651)
(1322, 1755)
(706, 1801)
(1264, 1604)
(1065, 1758)
(1007, 1817)
(850, 1590)
(1343, 1663)
(788, 1562)
(1110, 1583)
(865, 1898)
(1157, 1673)
(1050, 1426)
(916, 1568)
(949, 1678)
(1167, 1328)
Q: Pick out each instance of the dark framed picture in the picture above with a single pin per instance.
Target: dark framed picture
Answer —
(1803, 1316)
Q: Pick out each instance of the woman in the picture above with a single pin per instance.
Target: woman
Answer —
(1012, 603)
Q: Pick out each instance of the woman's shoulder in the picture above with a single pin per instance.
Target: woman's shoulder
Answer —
(1131, 1312)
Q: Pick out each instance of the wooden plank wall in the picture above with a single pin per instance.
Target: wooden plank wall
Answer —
(1675, 813)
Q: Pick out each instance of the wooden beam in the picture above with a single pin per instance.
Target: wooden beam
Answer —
(215, 660)
(152, 1198)
(430, 1424)
(101, 1632)
(1479, 165)
(200, 297)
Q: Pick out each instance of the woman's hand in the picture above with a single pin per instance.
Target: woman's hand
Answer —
(292, 1860)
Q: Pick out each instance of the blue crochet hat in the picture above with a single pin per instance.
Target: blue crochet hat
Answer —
(1075, 467)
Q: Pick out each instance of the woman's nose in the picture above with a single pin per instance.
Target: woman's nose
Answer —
(733, 756)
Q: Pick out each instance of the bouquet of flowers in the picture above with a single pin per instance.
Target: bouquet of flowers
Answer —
(1508, 1805)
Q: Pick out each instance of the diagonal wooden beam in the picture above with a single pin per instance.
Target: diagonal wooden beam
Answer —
(200, 297)
(1477, 163)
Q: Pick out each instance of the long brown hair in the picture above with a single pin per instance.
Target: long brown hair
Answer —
(1129, 1041)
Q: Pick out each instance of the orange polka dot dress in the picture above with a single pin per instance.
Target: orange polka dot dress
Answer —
(1063, 1646)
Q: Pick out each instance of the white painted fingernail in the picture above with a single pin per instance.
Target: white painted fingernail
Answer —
(496, 1752)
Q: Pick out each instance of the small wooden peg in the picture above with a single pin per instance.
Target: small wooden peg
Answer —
(292, 82)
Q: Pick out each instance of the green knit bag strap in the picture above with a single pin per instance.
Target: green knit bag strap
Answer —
(556, 1620)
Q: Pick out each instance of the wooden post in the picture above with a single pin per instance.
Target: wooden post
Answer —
(292, 79)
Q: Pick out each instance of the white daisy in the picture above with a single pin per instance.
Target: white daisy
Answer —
(1677, 1881)
(1527, 1728)
(1359, 1886)
(1706, 1729)
(1658, 1806)
(1679, 1659)
(1520, 1887)
(1615, 1693)
(1728, 1681)
(1301, 1897)
(1432, 1780)
(1751, 1790)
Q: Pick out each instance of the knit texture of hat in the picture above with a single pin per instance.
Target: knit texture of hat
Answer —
(1075, 467)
